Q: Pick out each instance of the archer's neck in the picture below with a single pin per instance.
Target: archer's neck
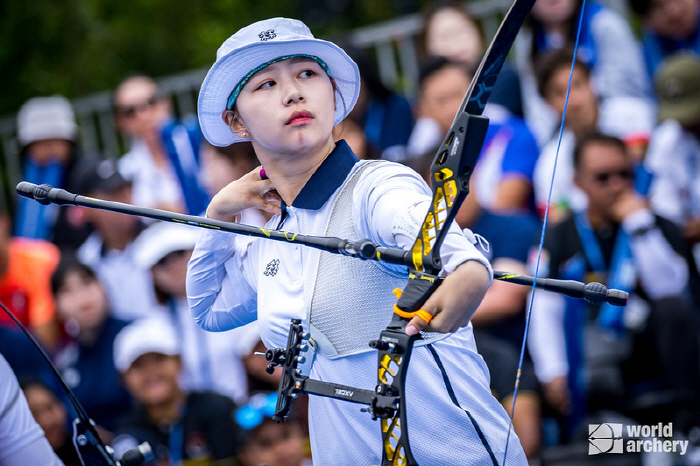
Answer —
(291, 171)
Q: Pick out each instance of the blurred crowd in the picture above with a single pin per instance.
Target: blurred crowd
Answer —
(606, 154)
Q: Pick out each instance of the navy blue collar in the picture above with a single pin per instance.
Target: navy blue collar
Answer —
(329, 176)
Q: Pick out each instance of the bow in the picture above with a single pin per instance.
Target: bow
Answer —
(90, 448)
(450, 173)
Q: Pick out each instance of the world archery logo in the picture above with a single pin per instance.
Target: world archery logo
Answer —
(272, 268)
(267, 35)
(604, 438)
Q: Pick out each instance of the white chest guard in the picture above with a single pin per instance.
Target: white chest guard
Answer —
(351, 299)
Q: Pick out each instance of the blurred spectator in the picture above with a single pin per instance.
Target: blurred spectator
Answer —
(48, 139)
(628, 118)
(269, 442)
(384, 115)
(163, 161)
(182, 427)
(26, 266)
(85, 358)
(22, 442)
(109, 249)
(502, 178)
(222, 165)
(450, 31)
(499, 321)
(590, 358)
(24, 359)
(674, 149)
(607, 46)
(210, 360)
(668, 26)
(351, 131)
(52, 417)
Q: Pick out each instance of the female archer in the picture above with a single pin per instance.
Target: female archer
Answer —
(277, 86)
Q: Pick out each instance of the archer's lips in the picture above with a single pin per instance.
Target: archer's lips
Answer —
(299, 117)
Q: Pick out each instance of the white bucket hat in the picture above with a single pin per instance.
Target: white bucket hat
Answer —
(143, 336)
(43, 118)
(259, 44)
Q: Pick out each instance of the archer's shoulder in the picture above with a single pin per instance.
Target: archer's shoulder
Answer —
(384, 172)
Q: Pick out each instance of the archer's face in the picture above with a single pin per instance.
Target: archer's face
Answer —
(288, 107)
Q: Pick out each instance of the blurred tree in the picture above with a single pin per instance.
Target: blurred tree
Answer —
(75, 47)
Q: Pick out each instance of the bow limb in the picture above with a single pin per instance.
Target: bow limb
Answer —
(450, 173)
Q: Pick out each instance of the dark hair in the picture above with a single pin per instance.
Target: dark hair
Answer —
(549, 63)
(432, 64)
(68, 264)
(640, 7)
(595, 137)
(30, 380)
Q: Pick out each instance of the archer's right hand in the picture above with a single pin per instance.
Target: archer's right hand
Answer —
(249, 191)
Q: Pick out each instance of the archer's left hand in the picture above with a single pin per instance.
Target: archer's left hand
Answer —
(454, 302)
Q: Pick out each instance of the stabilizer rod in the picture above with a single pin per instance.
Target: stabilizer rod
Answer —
(594, 293)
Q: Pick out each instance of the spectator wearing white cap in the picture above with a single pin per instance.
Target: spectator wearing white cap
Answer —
(182, 427)
(210, 360)
(47, 135)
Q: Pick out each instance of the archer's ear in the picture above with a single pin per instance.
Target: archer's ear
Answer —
(234, 122)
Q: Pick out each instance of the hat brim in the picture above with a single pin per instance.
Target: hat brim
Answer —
(230, 69)
(686, 113)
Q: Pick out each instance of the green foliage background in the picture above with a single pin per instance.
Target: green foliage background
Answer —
(75, 47)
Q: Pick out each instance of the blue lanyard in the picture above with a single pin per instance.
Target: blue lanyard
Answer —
(176, 440)
(621, 274)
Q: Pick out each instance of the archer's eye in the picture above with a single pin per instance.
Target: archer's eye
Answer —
(266, 84)
(307, 73)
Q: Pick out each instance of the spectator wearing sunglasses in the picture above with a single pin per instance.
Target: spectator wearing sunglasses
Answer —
(595, 358)
(163, 160)
(628, 118)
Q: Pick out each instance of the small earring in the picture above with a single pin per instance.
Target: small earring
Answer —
(244, 134)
